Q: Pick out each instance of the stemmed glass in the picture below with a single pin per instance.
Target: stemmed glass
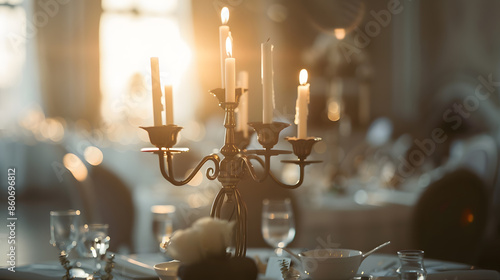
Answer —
(162, 224)
(96, 242)
(64, 227)
(278, 226)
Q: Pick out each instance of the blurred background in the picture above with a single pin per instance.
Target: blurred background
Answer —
(404, 95)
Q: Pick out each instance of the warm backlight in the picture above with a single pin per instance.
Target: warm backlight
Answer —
(303, 77)
(93, 155)
(73, 163)
(224, 15)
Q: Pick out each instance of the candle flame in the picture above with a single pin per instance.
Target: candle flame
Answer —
(339, 33)
(224, 15)
(229, 46)
(303, 77)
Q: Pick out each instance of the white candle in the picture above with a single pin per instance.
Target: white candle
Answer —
(155, 80)
(230, 64)
(169, 106)
(302, 109)
(223, 34)
(243, 106)
(267, 82)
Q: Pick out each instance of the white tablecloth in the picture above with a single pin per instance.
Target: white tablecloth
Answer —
(140, 267)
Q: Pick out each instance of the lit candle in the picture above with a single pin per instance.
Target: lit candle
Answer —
(230, 64)
(267, 82)
(243, 106)
(169, 106)
(302, 109)
(155, 80)
(223, 34)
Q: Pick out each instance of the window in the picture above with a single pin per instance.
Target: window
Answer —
(12, 56)
(131, 32)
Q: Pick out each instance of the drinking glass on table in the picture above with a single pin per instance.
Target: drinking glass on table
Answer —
(64, 227)
(162, 224)
(96, 243)
(278, 226)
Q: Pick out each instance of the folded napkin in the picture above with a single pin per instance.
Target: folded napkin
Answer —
(133, 268)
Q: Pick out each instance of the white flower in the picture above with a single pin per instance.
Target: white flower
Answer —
(185, 246)
(215, 235)
(207, 237)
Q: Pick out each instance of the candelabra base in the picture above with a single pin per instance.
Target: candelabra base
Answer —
(231, 197)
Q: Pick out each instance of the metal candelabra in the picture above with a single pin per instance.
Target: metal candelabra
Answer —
(236, 162)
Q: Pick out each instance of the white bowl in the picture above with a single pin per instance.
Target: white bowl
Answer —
(167, 270)
(332, 264)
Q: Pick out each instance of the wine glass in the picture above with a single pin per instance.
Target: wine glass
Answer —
(278, 226)
(96, 243)
(162, 224)
(64, 227)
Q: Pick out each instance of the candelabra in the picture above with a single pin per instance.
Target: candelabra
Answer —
(237, 161)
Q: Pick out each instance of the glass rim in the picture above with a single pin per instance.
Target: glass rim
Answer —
(285, 201)
(411, 251)
(65, 213)
(96, 225)
(163, 209)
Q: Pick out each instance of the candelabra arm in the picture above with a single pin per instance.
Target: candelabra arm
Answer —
(168, 172)
(297, 184)
(251, 170)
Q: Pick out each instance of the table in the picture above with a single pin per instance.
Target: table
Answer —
(139, 267)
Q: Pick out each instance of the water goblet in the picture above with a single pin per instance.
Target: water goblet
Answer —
(162, 224)
(64, 227)
(96, 243)
(278, 226)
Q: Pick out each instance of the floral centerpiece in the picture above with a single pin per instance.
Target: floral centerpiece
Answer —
(202, 251)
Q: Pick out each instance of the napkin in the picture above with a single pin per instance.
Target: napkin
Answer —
(133, 269)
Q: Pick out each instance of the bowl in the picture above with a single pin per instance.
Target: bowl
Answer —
(332, 264)
(167, 270)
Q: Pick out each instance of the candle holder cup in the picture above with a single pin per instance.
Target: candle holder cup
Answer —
(241, 141)
(164, 136)
(268, 133)
(220, 93)
(302, 147)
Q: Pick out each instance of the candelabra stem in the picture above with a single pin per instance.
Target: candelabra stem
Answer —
(229, 148)
(232, 194)
(229, 176)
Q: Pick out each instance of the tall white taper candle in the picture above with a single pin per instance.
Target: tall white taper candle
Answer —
(230, 64)
(169, 106)
(243, 106)
(223, 34)
(156, 88)
(302, 109)
(267, 82)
